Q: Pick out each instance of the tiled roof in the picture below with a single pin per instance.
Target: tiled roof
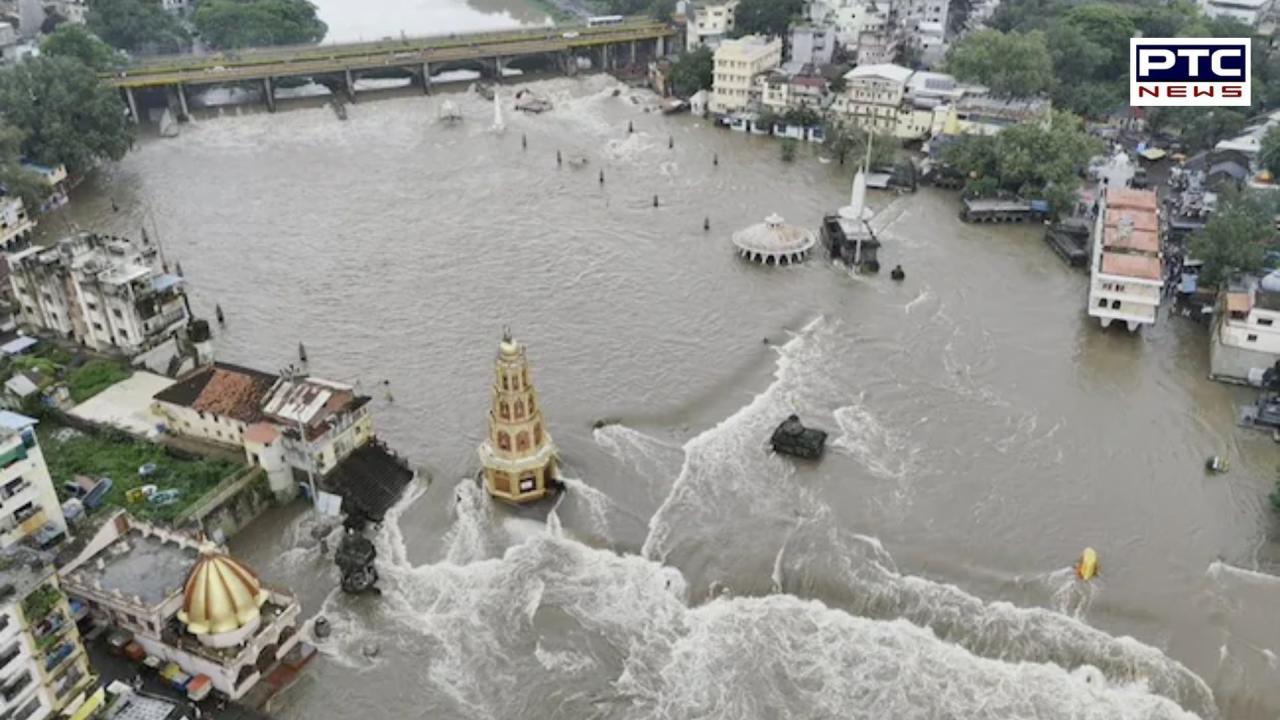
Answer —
(1128, 198)
(224, 389)
(1142, 221)
(1143, 240)
(1135, 266)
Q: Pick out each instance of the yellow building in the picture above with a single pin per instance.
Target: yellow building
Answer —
(737, 63)
(518, 457)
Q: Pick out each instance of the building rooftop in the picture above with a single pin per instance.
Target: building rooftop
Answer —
(1135, 266)
(22, 569)
(310, 401)
(885, 71)
(1128, 198)
(371, 480)
(1140, 240)
(1144, 221)
(224, 389)
(986, 104)
(774, 236)
(139, 565)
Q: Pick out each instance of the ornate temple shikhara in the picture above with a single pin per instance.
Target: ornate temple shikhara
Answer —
(518, 457)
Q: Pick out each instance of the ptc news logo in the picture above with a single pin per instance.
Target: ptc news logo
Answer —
(1201, 72)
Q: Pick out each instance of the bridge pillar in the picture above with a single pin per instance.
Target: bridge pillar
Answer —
(351, 85)
(499, 69)
(604, 57)
(633, 52)
(660, 46)
(182, 101)
(426, 78)
(133, 105)
(269, 94)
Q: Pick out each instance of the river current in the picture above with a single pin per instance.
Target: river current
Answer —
(983, 431)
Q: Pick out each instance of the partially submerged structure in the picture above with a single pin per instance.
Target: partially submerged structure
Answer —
(848, 235)
(1126, 270)
(518, 457)
(793, 438)
(774, 242)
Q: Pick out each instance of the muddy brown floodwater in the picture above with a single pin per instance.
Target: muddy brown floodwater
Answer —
(983, 431)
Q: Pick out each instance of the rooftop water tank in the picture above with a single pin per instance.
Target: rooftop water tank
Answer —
(1271, 282)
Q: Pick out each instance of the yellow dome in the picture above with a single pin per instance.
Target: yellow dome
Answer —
(221, 595)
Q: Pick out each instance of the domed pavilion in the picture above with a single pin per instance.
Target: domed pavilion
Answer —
(773, 242)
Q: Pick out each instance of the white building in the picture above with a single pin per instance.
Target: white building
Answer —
(1126, 272)
(811, 45)
(43, 666)
(873, 96)
(105, 292)
(708, 24)
(185, 602)
(737, 63)
(72, 11)
(16, 225)
(216, 403)
(930, 40)
(1249, 12)
(322, 421)
(178, 7)
(29, 507)
(1245, 340)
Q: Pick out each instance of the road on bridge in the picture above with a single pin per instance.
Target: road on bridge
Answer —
(259, 63)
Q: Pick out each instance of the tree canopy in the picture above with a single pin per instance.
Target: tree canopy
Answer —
(845, 141)
(1269, 154)
(1235, 238)
(1027, 159)
(1010, 64)
(140, 26)
(14, 180)
(74, 41)
(693, 71)
(63, 114)
(766, 17)
(256, 23)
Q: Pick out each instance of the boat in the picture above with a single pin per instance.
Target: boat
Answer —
(1087, 567)
(578, 161)
(1216, 465)
(449, 112)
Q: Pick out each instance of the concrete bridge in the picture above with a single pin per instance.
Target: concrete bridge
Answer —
(338, 66)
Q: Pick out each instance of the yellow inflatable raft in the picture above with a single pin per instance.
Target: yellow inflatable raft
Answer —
(1087, 568)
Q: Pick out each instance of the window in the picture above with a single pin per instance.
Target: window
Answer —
(92, 306)
(1115, 304)
(117, 313)
(527, 484)
(124, 335)
(1251, 338)
(97, 326)
(200, 413)
(1264, 322)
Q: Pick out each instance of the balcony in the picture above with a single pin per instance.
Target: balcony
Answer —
(12, 690)
(13, 455)
(10, 653)
(32, 524)
(54, 661)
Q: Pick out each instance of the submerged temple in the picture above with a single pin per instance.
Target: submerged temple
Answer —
(518, 456)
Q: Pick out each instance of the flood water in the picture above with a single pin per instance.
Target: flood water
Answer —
(983, 431)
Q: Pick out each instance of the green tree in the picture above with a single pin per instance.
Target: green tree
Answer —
(844, 141)
(1236, 236)
(766, 17)
(1109, 26)
(788, 149)
(258, 23)
(64, 114)
(140, 26)
(1269, 153)
(1010, 64)
(14, 179)
(693, 71)
(74, 41)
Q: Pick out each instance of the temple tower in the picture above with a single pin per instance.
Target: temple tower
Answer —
(519, 457)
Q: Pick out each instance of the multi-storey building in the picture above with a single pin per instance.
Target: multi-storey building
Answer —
(737, 63)
(29, 508)
(1246, 330)
(108, 293)
(43, 666)
(873, 96)
(16, 225)
(185, 602)
(708, 24)
(1249, 12)
(1126, 272)
(810, 45)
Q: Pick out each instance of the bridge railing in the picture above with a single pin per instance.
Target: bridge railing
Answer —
(300, 53)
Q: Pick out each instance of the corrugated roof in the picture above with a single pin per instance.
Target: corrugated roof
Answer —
(13, 347)
(371, 479)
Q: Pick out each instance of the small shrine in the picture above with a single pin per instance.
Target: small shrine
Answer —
(518, 457)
